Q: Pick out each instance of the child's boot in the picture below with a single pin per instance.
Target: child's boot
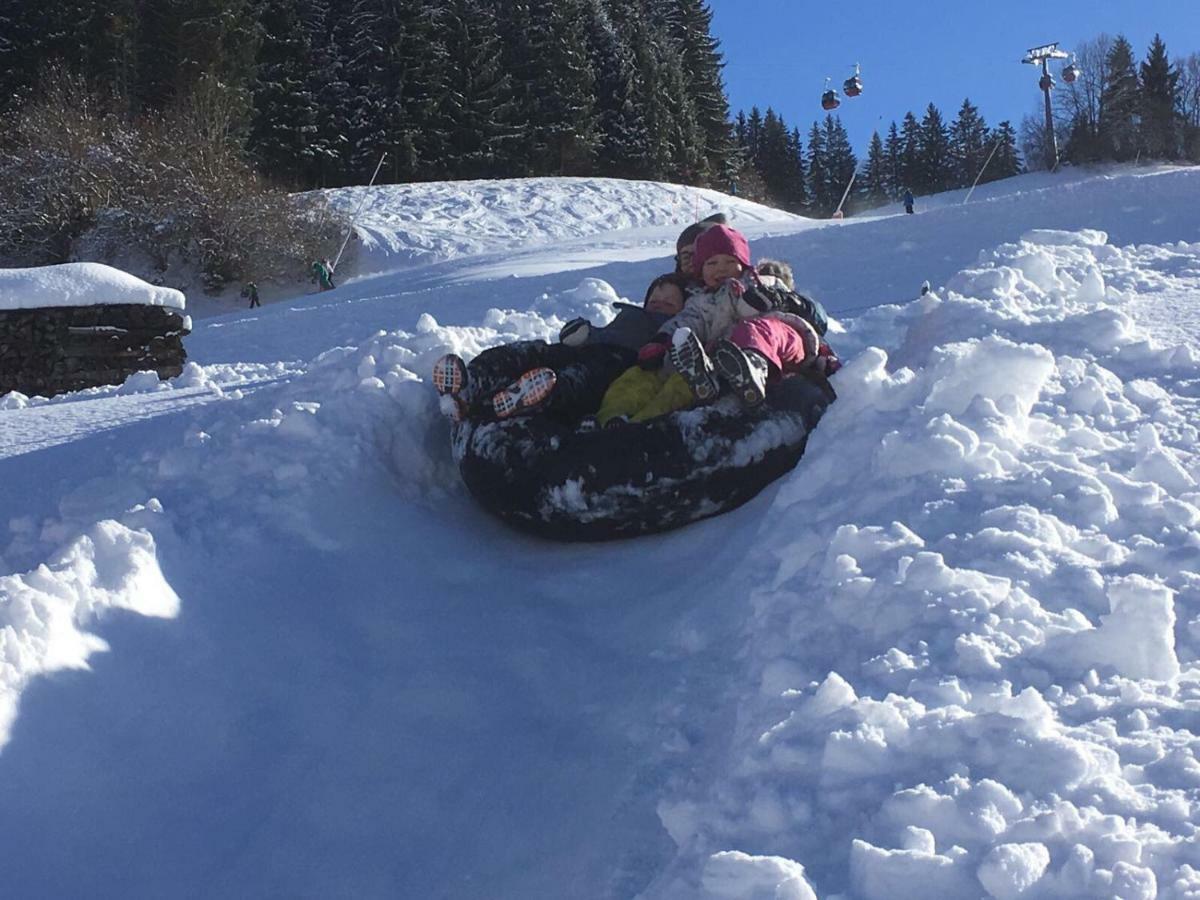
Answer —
(449, 374)
(449, 379)
(525, 394)
(745, 371)
(690, 361)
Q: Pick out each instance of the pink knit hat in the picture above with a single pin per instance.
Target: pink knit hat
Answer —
(720, 239)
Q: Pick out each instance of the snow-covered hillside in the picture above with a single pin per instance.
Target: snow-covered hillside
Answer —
(955, 653)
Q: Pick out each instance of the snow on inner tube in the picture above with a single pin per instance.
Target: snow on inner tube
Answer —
(545, 477)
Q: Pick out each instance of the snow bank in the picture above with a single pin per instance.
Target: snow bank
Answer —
(969, 668)
(43, 613)
(80, 284)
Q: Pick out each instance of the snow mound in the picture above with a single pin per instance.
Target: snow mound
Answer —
(43, 613)
(80, 284)
(976, 577)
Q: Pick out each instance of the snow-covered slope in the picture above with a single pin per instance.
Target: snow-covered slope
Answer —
(404, 224)
(953, 654)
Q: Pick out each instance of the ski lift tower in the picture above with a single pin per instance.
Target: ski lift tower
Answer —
(1042, 56)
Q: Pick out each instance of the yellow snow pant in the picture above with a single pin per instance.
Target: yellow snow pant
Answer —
(641, 395)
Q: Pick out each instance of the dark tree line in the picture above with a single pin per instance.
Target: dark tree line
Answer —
(924, 156)
(1118, 109)
(316, 90)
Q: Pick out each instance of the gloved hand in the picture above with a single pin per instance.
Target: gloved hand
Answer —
(760, 299)
(651, 355)
(827, 361)
(735, 287)
(575, 333)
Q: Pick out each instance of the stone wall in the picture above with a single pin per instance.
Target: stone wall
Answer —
(52, 350)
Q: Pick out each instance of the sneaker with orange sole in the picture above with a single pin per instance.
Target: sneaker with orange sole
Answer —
(449, 374)
(525, 394)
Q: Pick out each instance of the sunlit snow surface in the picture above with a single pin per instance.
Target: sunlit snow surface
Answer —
(953, 654)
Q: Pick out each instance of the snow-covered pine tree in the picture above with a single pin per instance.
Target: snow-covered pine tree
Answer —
(970, 144)
(326, 81)
(562, 112)
(200, 48)
(937, 163)
(1119, 104)
(477, 104)
(284, 123)
(676, 139)
(624, 148)
(1159, 103)
(702, 63)
(873, 185)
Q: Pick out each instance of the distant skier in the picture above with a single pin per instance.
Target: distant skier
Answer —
(251, 291)
(908, 201)
(322, 274)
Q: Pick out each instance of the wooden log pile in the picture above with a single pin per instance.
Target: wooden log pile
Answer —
(52, 350)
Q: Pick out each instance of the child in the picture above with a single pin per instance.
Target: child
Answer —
(567, 379)
(685, 246)
(780, 271)
(251, 291)
(757, 335)
(634, 325)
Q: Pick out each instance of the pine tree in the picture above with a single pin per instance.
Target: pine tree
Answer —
(740, 132)
(874, 183)
(476, 104)
(326, 80)
(624, 147)
(1007, 161)
(840, 160)
(912, 176)
(563, 108)
(1159, 103)
(1119, 98)
(894, 151)
(936, 156)
(675, 133)
(970, 144)
(775, 162)
(796, 192)
(702, 62)
(754, 130)
(819, 180)
(284, 122)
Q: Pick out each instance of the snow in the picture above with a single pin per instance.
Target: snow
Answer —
(954, 653)
(80, 284)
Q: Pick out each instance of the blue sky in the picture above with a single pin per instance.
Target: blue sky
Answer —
(778, 52)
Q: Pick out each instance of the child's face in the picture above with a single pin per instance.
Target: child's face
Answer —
(718, 267)
(665, 298)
